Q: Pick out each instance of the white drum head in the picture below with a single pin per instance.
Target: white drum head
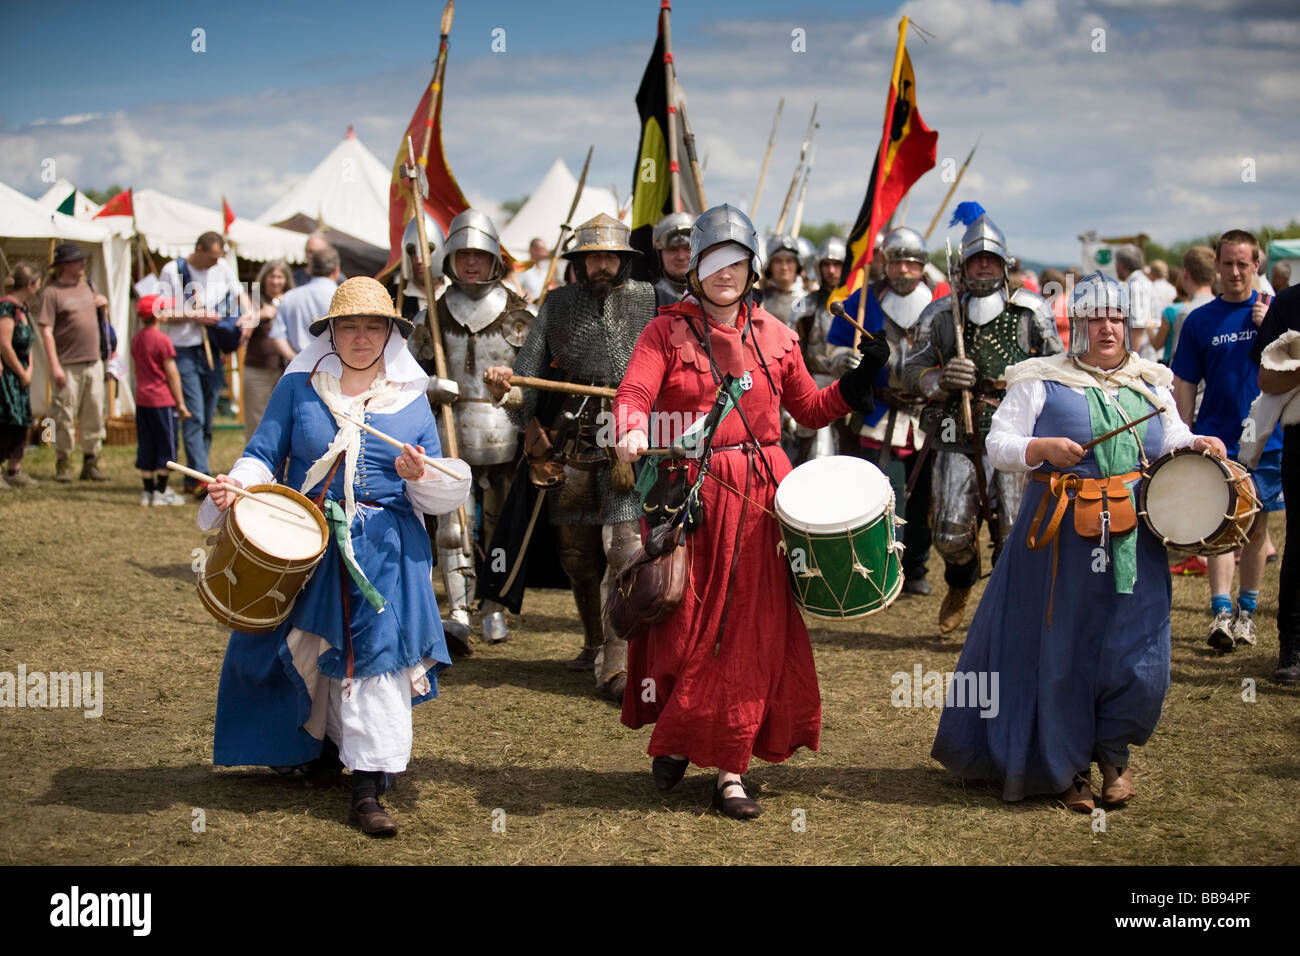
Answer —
(274, 532)
(1187, 498)
(839, 493)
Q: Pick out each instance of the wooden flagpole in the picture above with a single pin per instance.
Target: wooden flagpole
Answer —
(767, 157)
(675, 182)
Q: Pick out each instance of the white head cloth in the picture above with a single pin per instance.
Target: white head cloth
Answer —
(721, 257)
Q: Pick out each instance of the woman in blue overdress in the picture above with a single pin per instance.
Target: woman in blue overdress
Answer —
(1075, 619)
(333, 685)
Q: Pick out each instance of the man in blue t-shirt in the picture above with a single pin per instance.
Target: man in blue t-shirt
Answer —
(1284, 316)
(1215, 347)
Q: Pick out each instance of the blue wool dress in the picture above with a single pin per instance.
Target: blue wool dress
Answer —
(262, 702)
(1093, 683)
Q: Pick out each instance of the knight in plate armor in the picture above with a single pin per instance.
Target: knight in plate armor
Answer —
(999, 328)
(812, 320)
(410, 291)
(482, 324)
(672, 242)
(584, 334)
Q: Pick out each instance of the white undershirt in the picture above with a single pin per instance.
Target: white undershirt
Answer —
(1013, 423)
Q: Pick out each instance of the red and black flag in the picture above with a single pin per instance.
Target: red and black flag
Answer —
(119, 205)
(907, 151)
(652, 196)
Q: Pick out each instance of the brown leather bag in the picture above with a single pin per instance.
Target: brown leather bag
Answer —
(651, 584)
(542, 471)
(1096, 495)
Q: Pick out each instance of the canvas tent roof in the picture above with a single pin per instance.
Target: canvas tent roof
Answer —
(1280, 250)
(26, 231)
(84, 208)
(347, 191)
(170, 226)
(356, 258)
(547, 206)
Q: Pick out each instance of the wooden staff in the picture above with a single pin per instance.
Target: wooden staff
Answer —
(674, 180)
(688, 136)
(798, 171)
(1122, 428)
(568, 388)
(958, 327)
(837, 308)
(953, 188)
(431, 462)
(439, 71)
(762, 173)
(564, 228)
(229, 487)
(803, 196)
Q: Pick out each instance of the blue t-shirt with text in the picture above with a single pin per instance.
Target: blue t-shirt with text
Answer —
(1215, 346)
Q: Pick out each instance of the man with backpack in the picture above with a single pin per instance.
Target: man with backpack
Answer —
(205, 326)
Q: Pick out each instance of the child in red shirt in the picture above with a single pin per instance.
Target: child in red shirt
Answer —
(158, 400)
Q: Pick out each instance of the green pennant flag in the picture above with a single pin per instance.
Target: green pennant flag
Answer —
(69, 206)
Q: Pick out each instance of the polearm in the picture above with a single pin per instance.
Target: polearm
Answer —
(689, 137)
(439, 71)
(565, 227)
(953, 188)
(803, 195)
(767, 157)
(968, 419)
(430, 304)
(673, 169)
(798, 171)
(567, 388)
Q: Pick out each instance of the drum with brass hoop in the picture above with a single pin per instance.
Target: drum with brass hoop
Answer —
(837, 533)
(1193, 501)
(262, 558)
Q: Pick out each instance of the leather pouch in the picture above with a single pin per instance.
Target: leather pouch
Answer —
(542, 471)
(651, 584)
(1096, 495)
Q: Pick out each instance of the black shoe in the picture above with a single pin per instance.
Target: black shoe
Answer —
(917, 586)
(326, 770)
(668, 772)
(738, 808)
(585, 661)
(1287, 676)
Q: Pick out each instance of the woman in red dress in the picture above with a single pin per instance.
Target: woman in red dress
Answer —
(730, 673)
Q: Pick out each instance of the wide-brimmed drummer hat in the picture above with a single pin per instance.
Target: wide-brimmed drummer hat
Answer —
(602, 234)
(362, 296)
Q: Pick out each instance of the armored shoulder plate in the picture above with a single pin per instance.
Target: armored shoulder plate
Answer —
(1043, 338)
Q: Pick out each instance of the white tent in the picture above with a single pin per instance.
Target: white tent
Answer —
(170, 226)
(547, 206)
(83, 208)
(347, 191)
(28, 230)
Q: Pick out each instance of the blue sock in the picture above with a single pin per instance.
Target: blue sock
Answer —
(1246, 600)
(1220, 602)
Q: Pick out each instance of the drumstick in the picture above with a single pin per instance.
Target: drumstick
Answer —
(397, 444)
(838, 309)
(1122, 428)
(229, 487)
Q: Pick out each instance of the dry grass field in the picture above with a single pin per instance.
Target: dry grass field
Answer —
(91, 581)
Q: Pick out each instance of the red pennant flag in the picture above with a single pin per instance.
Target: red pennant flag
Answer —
(227, 216)
(907, 151)
(444, 200)
(119, 205)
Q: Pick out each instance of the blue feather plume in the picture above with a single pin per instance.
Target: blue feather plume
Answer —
(966, 213)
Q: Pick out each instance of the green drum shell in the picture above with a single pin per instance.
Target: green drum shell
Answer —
(824, 568)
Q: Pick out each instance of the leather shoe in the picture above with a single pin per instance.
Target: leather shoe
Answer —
(1079, 795)
(668, 772)
(917, 586)
(953, 610)
(373, 819)
(738, 808)
(613, 688)
(1116, 785)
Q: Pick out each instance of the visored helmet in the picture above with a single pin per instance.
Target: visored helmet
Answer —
(721, 224)
(1096, 292)
(411, 247)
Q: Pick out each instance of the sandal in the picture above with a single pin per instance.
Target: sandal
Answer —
(1079, 795)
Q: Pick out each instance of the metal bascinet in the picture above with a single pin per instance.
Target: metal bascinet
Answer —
(473, 230)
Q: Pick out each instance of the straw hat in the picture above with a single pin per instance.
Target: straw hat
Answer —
(362, 296)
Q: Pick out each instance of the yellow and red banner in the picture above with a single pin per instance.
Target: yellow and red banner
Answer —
(907, 151)
(444, 200)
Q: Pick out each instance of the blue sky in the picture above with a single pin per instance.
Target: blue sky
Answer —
(1149, 134)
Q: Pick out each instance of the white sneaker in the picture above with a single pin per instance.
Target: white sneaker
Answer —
(167, 497)
(1221, 632)
(1243, 628)
(147, 498)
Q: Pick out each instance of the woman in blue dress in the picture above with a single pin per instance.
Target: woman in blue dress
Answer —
(1072, 633)
(333, 686)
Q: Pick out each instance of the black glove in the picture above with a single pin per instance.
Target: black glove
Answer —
(857, 383)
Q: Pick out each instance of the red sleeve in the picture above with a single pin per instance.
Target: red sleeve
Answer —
(811, 406)
(167, 348)
(643, 379)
